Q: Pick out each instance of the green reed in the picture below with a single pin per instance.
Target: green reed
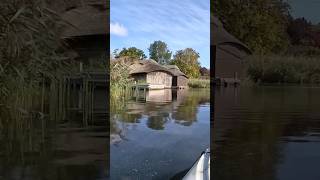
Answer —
(199, 83)
(283, 69)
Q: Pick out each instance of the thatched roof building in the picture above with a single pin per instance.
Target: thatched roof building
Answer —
(179, 79)
(86, 21)
(147, 66)
(86, 27)
(175, 70)
(150, 72)
(229, 53)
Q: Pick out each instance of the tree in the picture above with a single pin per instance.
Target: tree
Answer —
(299, 30)
(115, 53)
(187, 61)
(132, 52)
(159, 52)
(204, 71)
(260, 24)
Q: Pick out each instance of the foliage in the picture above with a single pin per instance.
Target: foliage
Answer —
(187, 61)
(119, 77)
(299, 30)
(132, 52)
(30, 46)
(199, 83)
(303, 32)
(204, 71)
(303, 51)
(159, 52)
(260, 24)
(283, 69)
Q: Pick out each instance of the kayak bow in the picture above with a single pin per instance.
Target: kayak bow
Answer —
(200, 169)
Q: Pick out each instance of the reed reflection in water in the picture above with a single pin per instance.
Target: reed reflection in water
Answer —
(57, 131)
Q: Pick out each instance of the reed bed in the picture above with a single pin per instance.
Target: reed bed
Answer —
(120, 80)
(283, 69)
(199, 83)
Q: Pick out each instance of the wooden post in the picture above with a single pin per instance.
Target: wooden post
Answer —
(213, 55)
(136, 92)
(214, 61)
(81, 67)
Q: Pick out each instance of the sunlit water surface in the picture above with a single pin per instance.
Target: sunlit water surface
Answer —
(160, 135)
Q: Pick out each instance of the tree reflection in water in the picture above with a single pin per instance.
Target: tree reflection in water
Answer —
(160, 107)
(255, 127)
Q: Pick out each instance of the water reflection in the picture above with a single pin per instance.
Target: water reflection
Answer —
(155, 133)
(60, 142)
(266, 133)
(162, 106)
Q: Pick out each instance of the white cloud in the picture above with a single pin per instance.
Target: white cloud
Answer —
(118, 29)
(179, 23)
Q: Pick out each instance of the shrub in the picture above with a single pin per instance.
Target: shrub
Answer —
(119, 77)
(199, 83)
(283, 69)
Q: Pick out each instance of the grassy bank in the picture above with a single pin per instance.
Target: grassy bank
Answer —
(283, 69)
(199, 83)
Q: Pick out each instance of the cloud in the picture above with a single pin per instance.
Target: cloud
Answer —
(118, 29)
(180, 24)
(177, 22)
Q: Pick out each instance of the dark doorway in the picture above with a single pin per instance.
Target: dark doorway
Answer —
(174, 81)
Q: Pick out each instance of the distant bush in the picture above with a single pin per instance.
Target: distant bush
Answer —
(299, 51)
(199, 83)
(283, 69)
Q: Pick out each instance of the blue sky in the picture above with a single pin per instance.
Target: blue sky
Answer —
(310, 9)
(179, 23)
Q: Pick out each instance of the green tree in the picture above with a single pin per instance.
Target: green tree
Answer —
(159, 52)
(187, 61)
(115, 53)
(132, 52)
(261, 24)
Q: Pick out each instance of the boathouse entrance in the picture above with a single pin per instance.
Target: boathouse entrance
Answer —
(174, 81)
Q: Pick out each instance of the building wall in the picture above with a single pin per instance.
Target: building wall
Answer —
(182, 81)
(141, 77)
(91, 48)
(229, 63)
(158, 77)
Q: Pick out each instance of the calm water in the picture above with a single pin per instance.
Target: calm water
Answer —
(35, 146)
(159, 136)
(270, 133)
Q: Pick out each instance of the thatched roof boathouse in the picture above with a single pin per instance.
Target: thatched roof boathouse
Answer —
(228, 54)
(157, 76)
(179, 79)
(85, 29)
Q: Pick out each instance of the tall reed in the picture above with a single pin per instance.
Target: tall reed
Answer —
(283, 69)
(199, 83)
(120, 80)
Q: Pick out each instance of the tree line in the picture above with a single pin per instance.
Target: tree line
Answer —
(266, 26)
(186, 59)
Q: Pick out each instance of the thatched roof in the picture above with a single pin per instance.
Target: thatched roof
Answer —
(221, 37)
(175, 70)
(62, 6)
(147, 66)
(86, 20)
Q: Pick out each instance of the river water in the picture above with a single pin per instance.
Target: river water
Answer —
(48, 146)
(270, 133)
(159, 136)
